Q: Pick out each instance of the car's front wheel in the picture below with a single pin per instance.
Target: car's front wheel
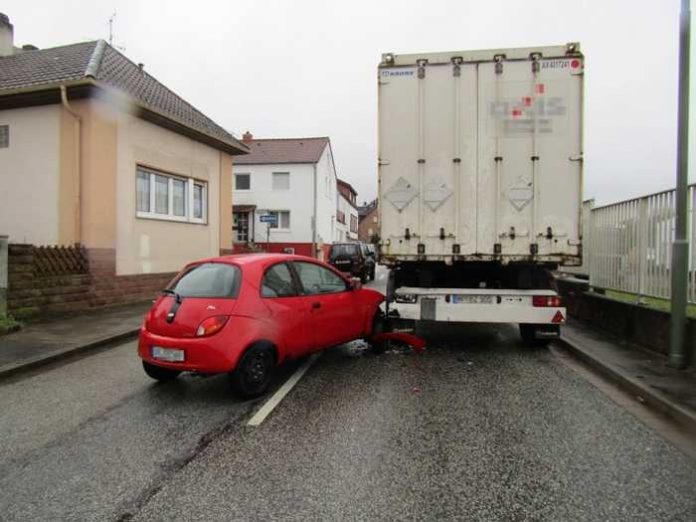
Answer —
(254, 371)
(158, 373)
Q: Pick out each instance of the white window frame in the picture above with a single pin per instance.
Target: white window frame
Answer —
(188, 216)
(4, 136)
(235, 181)
(278, 228)
(273, 182)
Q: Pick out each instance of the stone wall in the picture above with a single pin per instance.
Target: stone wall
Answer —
(632, 324)
(33, 293)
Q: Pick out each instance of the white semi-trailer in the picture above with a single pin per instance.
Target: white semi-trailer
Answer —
(480, 183)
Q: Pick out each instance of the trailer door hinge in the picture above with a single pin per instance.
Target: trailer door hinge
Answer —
(498, 59)
(577, 157)
(457, 63)
(421, 67)
(536, 58)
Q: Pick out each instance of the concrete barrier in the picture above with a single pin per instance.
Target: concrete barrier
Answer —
(634, 324)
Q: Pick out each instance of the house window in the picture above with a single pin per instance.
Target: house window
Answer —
(282, 221)
(241, 226)
(281, 181)
(353, 223)
(162, 196)
(242, 181)
(4, 136)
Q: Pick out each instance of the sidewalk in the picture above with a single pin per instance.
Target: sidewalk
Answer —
(642, 373)
(41, 343)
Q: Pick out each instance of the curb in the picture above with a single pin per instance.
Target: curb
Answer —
(26, 365)
(654, 398)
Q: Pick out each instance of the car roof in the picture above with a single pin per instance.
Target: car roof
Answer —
(253, 258)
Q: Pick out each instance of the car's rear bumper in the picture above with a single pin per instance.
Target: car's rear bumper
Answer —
(202, 355)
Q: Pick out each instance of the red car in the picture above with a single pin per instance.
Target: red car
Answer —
(244, 314)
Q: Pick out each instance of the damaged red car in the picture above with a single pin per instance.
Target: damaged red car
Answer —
(245, 314)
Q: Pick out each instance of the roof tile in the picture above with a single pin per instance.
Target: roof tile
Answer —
(283, 150)
(111, 68)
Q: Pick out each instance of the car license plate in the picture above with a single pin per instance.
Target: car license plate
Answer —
(343, 262)
(473, 299)
(167, 354)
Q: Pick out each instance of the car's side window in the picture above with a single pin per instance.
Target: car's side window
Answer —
(277, 282)
(316, 279)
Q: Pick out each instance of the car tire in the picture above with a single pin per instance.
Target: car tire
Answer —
(363, 277)
(527, 332)
(254, 371)
(159, 373)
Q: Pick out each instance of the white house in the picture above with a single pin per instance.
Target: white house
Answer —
(347, 213)
(293, 180)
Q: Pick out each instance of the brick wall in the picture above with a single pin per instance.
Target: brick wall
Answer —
(33, 294)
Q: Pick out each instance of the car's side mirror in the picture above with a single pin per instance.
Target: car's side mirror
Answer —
(355, 284)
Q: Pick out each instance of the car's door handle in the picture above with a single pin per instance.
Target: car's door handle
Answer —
(316, 306)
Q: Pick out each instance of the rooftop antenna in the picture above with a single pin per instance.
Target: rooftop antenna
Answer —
(112, 18)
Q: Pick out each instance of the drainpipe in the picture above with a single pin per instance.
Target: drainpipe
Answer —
(78, 156)
(314, 214)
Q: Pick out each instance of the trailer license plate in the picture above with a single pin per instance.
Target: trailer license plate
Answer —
(473, 299)
(167, 354)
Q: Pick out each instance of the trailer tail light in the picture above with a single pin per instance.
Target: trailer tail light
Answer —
(546, 301)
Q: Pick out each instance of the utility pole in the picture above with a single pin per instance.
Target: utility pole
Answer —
(680, 249)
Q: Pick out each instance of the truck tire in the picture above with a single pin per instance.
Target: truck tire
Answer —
(528, 334)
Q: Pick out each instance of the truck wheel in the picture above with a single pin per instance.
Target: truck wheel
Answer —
(528, 334)
(158, 373)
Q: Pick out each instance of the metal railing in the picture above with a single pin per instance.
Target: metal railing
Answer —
(629, 245)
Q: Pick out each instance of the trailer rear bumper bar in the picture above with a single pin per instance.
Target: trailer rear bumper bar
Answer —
(476, 306)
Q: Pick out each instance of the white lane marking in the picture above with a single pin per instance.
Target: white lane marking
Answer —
(382, 276)
(279, 395)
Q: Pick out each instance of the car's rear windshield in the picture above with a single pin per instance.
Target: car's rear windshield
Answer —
(208, 280)
(343, 250)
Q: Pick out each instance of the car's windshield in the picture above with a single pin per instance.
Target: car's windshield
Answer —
(208, 280)
(343, 251)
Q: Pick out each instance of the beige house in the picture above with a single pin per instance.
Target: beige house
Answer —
(95, 151)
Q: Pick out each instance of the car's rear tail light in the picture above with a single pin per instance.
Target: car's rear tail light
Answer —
(211, 325)
(550, 301)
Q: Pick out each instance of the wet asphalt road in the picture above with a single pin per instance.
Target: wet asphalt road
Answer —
(478, 428)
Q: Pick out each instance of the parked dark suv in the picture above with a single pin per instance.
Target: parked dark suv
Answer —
(353, 259)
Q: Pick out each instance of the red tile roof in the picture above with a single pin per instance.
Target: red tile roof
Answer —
(285, 150)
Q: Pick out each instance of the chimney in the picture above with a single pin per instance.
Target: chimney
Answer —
(247, 137)
(6, 36)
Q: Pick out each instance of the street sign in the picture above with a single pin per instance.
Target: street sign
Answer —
(269, 218)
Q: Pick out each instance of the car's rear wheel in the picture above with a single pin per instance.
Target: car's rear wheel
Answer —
(254, 371)
(158, 373)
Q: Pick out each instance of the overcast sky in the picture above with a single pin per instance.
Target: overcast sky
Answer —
(307, 68)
